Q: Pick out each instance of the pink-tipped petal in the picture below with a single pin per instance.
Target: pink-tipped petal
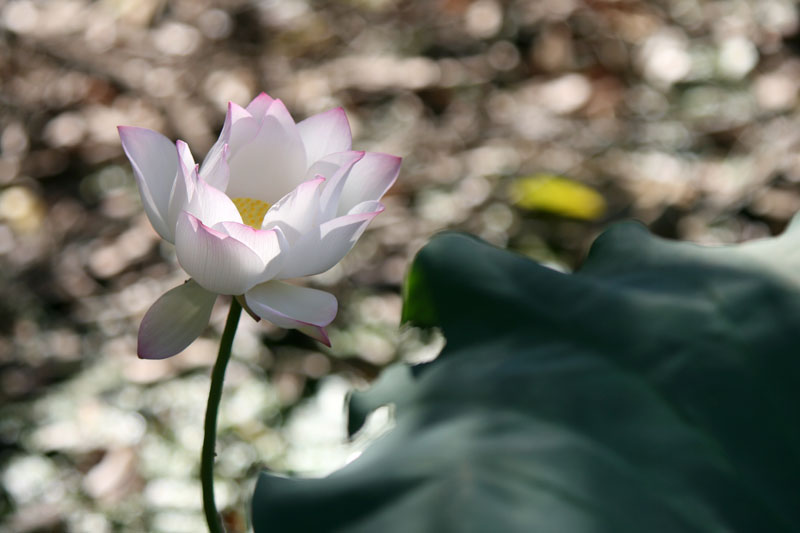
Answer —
(297, 212)
(155, 165)
(175, 321)
(325, 133)
(259, 106)
(319, 250)
(292, 307)
(271, 164)
(217, 261)
(369, 179)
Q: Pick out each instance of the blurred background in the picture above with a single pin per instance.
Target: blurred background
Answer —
(532, 124)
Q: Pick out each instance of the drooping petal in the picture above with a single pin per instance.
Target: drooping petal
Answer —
(325, 133)
(259, 106)
(155, 165)
(217, 261)
(369, 179)
(293, 307)
(319, 250)
(174, 321)
(273, 163)
(297, 212)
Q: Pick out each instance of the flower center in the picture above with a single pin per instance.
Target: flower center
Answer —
(252, 211)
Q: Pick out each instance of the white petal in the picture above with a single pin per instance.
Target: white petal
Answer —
(293, 307)
(259, 106)
(155, 165)
(185, 157)
(239, 129)
(369, 179)
(273, 163)
(217, 261)
(210, 205)
(244, 128)
(197, 197)
(297, 212)
(335, 168)
(267, 244)
(174, 321)
(215, 170)
(182, 189)
(325, 133)
(319, 250)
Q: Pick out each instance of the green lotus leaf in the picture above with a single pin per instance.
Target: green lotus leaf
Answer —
(656, 389)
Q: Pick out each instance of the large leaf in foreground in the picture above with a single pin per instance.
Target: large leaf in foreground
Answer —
(657, 389)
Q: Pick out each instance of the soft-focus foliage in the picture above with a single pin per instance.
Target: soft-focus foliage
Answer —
(681, 113)
(654, 388)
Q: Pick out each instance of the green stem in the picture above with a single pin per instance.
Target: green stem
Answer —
(210, 435)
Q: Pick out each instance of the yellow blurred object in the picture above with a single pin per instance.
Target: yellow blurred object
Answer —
(557, 195)
(22, 208)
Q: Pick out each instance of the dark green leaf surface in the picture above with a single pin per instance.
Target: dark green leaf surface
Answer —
(655, 390)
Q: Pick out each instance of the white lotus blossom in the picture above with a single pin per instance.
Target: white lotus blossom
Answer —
(272, 200)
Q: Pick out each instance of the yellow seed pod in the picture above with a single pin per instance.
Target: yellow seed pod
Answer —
(252, 211)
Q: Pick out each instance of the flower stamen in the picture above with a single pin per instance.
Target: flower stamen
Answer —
(252, 211)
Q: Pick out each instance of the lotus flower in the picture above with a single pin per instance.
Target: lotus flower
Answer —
(272, 200)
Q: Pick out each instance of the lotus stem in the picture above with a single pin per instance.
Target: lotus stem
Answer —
(210, 426)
